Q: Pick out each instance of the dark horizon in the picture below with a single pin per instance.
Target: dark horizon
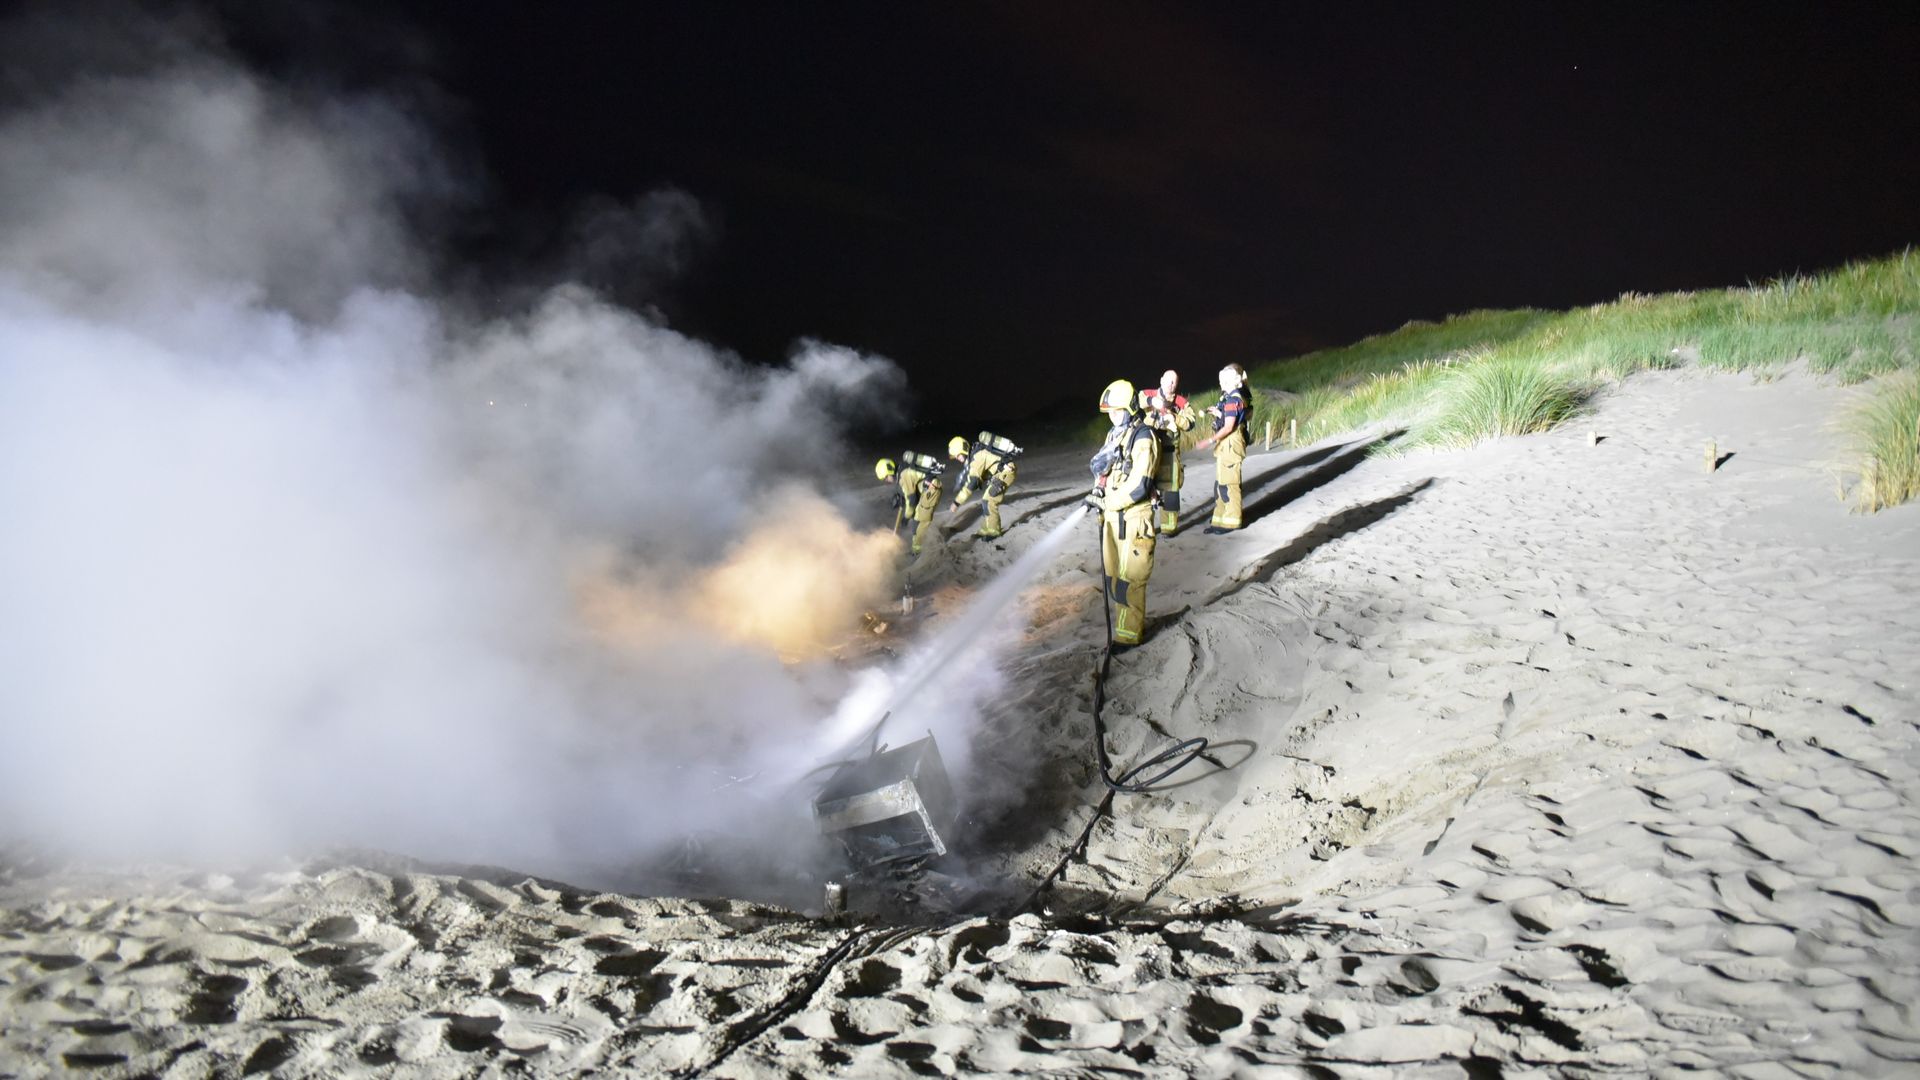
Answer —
(1017, 204)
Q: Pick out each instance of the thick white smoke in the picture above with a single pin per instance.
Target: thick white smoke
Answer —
(137, 194)
(296, 556)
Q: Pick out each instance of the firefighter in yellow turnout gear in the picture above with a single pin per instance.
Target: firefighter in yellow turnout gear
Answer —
(1124, 471)
(919, 494)
(1172, 417)
(988, 468)
(1232, 419)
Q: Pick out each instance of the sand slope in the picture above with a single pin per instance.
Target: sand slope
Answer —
(1549, 754)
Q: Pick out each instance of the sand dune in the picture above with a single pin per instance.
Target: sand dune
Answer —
(1550, 755)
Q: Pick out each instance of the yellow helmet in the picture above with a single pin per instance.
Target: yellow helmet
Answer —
(1118, 396)
(883, 469)
(957, 447)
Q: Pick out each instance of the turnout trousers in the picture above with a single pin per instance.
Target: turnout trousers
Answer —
(1126, 557)
(923, 512)
(1229, 454)
(998, 481)
(1168, 479)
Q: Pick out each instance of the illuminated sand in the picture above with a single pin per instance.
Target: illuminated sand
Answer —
(1544, 755)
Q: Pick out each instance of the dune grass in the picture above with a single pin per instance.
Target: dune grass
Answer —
(1884, 428)
(1504, 396)
(1485, 374)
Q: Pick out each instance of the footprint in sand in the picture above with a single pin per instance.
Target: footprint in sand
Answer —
(1208, 1019)
(472, 1034)
(215, 1000)
(1550, 912)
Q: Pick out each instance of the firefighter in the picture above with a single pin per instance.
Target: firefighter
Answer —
(1169, 414)
(1124, 492)
(919, 492)
(986, 463)
(1232, 418)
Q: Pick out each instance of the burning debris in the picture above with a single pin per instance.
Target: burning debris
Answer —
(894, 806)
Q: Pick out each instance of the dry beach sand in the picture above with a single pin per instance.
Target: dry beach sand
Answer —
(1548, 757)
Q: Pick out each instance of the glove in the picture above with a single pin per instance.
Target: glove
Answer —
(1092, 501)
(899, 502)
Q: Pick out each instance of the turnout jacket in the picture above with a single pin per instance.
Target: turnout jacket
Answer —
(983, 462)
(1172, 416)
(1235, 405)
(1135, 458)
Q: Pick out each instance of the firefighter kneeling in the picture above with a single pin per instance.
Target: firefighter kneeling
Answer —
(1124, 494)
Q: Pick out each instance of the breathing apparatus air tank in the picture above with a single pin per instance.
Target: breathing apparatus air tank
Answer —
(1000, 443)
(926, 463)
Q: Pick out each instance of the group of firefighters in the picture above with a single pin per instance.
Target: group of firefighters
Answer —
(986, 466)
(1136, 481)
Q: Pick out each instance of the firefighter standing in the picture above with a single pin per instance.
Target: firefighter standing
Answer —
(1124, 492)
(919, 491)
(1231, 418)
(1169, 414)
(987, 463)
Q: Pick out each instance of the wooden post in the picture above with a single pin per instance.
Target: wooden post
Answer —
(1269, 434)
(1713, 454)
(1593, 437)
(1293, 431)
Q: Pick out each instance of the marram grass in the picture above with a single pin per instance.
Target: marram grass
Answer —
(1490, 373)
(1491, 396)
(1883, 435)
(1485, 374)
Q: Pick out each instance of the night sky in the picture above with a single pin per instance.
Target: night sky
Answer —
(1020, 201)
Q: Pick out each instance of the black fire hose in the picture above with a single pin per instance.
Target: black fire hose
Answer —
(1174, 757)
